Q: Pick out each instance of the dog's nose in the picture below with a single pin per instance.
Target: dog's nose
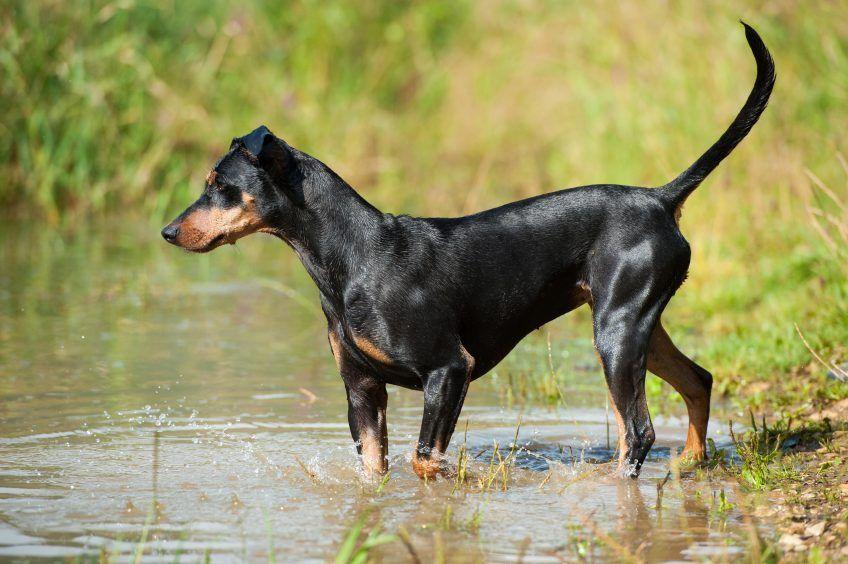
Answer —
(170, 232)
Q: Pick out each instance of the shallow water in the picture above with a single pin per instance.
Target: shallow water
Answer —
(191, 402)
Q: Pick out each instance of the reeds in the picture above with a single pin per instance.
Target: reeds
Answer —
(496, 474)
(114, 106)
(359, 542)
(442, 108)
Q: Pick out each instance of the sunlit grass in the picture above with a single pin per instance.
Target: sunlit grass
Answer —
(360, 541)
(762, 450)
(442, 108)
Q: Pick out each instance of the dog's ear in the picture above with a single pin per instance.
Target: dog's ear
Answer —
(255, 140)
(276, 159)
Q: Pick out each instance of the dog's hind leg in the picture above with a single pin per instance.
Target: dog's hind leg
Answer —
(627, 302)
(622, 349)
(689, 380)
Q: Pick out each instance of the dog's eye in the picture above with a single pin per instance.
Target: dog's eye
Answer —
(228, 192)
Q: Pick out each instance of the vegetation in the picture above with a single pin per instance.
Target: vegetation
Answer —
(354, 549)
(118, 108)
(803, 466)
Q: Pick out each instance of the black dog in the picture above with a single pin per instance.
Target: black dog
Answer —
(434, 303)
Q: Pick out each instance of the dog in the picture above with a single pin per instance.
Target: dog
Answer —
(432, 304)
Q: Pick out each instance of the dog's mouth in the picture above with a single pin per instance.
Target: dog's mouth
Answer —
(216, 242)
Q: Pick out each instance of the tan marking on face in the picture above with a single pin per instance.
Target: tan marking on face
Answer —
(199, 231)
(211, 177)
(371, 350)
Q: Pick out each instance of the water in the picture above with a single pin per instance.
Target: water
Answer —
(191, 402)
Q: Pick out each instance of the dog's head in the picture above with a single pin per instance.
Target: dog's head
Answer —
(255, 182)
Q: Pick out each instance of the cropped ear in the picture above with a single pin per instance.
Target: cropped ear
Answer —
(254, 140)
(276, 159)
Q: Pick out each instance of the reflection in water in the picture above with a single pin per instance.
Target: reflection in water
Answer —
(191, 400)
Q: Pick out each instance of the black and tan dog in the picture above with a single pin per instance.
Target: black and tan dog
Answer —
(434, 303)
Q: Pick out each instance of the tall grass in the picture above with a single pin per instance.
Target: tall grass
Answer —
(444, 107)
(110, 106)
(116, 104)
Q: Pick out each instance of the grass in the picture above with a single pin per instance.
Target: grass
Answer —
(118, 109)
(358, 543)
(111, 105)
(496, 474)
(802, 463)
(762, 464)
(762, 449)
(117, 106)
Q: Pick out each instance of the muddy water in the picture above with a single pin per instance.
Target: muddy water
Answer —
(179, 406)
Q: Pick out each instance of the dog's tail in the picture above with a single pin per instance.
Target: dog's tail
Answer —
(676, 191)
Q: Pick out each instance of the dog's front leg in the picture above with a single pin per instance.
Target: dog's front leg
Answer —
(366, 414)
(444, 392)
(366, 408)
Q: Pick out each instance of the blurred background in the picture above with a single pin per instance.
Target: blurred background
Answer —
(117, 110)
(111, 114)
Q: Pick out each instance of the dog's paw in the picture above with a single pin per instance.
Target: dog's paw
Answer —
(688, 462)
(629, 470)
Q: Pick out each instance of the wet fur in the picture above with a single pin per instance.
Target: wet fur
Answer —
(432, 304)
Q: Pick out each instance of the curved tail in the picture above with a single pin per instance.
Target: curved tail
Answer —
(678, 189)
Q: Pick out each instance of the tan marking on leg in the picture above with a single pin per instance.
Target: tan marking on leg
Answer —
(372, 436)
(336, 347)
(666, 361)
(587, 293)
(426, 468)
(373, 457)
(371, 350)
(469, 360)
(622, 440)
(384, 431)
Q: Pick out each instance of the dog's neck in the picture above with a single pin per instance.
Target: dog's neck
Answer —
(332, 231)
